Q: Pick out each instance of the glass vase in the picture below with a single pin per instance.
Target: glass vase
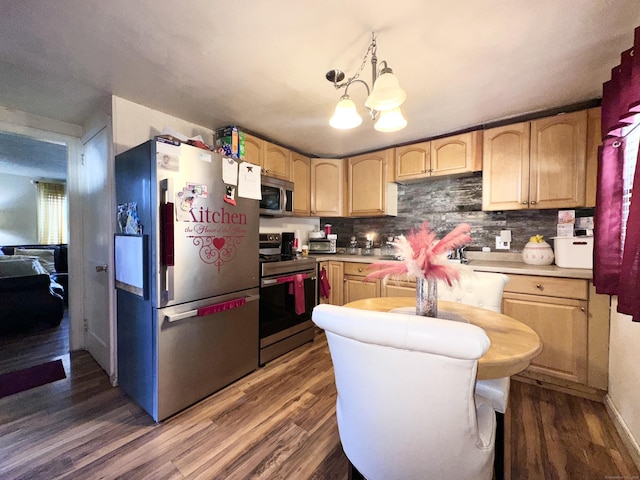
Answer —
(427, 297)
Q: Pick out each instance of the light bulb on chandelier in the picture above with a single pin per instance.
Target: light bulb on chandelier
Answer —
(383, 100)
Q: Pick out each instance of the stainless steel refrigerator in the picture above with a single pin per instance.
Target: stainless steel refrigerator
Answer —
(187, 276)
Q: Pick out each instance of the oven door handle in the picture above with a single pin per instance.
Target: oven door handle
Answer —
(268, 282)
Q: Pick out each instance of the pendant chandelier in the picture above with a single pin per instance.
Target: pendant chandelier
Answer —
(383, 99)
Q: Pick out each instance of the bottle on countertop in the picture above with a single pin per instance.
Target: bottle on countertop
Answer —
(388, 250)
(352, 249)
(368, 248)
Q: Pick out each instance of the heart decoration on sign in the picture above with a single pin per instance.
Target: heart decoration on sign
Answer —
(216, 250)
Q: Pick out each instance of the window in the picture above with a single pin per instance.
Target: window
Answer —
(52, 213)
(631, 144)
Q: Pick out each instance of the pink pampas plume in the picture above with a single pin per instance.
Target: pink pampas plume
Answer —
(423, 256)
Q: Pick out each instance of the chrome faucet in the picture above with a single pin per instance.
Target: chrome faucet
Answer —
(458, 254)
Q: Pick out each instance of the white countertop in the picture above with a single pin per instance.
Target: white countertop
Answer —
(483, 263)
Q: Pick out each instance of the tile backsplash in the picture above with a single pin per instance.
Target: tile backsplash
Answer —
(444, 203)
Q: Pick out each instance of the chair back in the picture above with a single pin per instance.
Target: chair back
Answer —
(479, 289)
(406, 407)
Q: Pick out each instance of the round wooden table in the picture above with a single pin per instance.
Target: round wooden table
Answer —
(513, 344)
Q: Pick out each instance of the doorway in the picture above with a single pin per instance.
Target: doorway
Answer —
(29, 156)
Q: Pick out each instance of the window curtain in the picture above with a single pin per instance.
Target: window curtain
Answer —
(52, 213)
(616, 269)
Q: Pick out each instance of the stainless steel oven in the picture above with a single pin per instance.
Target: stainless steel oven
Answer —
(288, 293)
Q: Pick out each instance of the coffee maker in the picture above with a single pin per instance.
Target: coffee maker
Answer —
(288, 248)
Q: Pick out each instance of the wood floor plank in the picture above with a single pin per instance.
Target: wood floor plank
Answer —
(276, 423)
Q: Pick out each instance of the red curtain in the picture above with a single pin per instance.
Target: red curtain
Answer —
(617, 273)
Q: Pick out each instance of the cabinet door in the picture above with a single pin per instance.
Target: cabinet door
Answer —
(558, 161)
(276, 161)
(456, 154)
(505, 171)
(413, 161)
(594, 139)
(367, 184)
(561, 324)
(253, 149)
(397, 288)
(336, 281)
(327, 187)
(355, 288)
(301, 177)
(324, 265)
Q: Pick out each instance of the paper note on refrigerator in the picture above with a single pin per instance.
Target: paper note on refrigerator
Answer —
(229, 171)
(249, 181)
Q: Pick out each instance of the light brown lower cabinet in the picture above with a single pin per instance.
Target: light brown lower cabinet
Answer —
(355, 286)
(391, 287)
(572, 322)
(561, 324)
(570, 318)
(335, 276)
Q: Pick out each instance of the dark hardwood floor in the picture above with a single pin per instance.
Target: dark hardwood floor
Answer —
(39, 345)
(276, 423)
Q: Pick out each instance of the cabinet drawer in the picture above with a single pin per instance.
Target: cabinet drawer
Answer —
(548, 286)
(354, 268)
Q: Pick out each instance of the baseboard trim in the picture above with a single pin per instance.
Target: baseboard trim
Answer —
(625, 434)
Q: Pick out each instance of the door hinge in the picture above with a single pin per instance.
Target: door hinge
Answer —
(86, 325)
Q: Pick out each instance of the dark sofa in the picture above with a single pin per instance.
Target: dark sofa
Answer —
(59, 271)
(28, 295)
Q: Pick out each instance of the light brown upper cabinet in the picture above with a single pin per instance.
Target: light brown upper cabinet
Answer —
(370, 188)
(301, 177)
(276, 161)
(454, 155)
(253, 147)
(327, 187)
(538, 164)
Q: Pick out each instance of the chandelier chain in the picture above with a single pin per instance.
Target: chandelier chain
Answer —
(372, 49)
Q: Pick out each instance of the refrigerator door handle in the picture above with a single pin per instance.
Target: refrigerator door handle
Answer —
(167, 247)
(212, 309)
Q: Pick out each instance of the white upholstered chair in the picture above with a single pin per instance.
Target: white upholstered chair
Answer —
(484, 290)
(406, 407)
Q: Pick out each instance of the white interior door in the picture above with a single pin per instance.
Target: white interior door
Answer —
(97, 227)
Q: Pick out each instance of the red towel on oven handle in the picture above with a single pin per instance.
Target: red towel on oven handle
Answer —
(296, 288)
(325, 288)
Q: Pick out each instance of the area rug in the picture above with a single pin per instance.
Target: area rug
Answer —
(21, 380)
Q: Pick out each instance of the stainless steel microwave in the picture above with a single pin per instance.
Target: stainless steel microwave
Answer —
(277, 197)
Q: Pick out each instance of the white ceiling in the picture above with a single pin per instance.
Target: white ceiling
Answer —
(261, 64)
(29, 157)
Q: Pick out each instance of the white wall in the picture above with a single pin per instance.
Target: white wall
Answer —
(18, 210)
(624, 375)
(134, 124)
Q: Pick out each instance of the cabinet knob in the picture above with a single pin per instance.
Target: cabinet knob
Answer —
(533, 202)
(539, 286)
(525, 203)
(582, 309)
(344, 280)
(359, 269)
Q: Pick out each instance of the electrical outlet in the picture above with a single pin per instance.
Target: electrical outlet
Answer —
(500, 245)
